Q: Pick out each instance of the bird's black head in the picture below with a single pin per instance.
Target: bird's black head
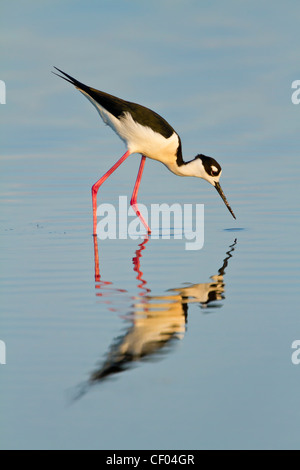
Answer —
(210, 165)
(211, 171)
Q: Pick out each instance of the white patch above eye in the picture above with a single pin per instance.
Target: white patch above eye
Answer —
(214, 169)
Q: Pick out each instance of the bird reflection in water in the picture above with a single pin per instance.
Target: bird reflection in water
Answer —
(155, 321)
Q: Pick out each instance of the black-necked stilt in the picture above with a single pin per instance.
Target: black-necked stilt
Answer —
(147, 133)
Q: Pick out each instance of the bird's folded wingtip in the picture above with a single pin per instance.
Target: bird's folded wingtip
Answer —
(69, 78)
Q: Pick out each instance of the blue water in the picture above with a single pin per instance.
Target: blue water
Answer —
(154, 346)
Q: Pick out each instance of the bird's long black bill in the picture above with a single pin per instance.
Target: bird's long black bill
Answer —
(220, 191)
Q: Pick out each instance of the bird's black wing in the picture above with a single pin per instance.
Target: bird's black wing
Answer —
(117, 107)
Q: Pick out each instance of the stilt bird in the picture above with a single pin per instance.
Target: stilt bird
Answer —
(144, 131)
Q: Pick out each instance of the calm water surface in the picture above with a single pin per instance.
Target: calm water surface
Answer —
(152, 346)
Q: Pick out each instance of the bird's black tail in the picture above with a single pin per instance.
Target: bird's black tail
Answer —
(70, 79)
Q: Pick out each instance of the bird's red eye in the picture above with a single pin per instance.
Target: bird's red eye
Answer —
(214, 171)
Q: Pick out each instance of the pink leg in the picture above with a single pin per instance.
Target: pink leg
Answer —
(133, 201)
(137, 267)
(97, 185)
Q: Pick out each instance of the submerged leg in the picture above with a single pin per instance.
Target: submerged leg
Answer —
(133, 201)
(97, 185)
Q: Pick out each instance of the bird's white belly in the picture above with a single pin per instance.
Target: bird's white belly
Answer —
(144, 140)
(138, 138)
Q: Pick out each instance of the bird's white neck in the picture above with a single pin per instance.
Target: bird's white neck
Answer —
(192, 168)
